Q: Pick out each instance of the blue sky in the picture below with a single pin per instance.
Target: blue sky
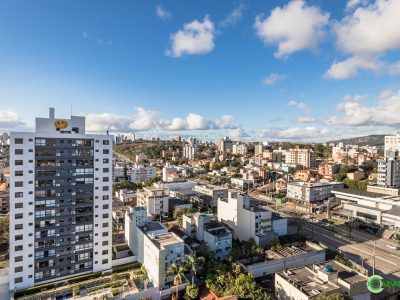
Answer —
(261, 70)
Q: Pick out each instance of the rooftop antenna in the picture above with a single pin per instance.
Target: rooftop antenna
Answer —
(71, 109)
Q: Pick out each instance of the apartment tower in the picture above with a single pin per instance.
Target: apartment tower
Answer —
(60, 202)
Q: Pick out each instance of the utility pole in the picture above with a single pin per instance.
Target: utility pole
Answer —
(373, 267)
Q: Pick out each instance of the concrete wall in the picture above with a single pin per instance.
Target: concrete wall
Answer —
(278, 265)
(123, 261)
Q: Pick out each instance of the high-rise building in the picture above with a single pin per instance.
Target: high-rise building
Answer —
(60, 202)
(388, 172)
(304, 157)
(392, 144)
(190, 152)
(225, 145)
(258, 149)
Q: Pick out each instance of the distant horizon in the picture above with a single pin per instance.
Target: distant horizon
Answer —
(244, 69)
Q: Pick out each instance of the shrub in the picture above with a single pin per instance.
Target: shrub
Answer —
(115, 292)
(76, 291)
(116, 283)
(84, 277)
(119, 269)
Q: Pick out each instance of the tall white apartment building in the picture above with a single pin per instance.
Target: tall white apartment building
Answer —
(388, 172)
(213, 192)
(304, 157)
(60, 202)
(154, 199)
(245, 220)
(239, 149)
(392, 143)
(190, 152)
(156, 248)
(140, 173)
(258, 149)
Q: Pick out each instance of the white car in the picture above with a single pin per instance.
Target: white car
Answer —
(393, 247)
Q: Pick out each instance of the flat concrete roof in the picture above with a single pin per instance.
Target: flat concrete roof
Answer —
(166, 239)
(358, 193)
(306, 281)
(395, 211)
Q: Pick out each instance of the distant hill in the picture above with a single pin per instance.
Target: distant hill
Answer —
(370, 140)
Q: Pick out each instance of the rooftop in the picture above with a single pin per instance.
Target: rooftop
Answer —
(306, 281)
(359, 193)
(166, 239)
(395, 211)
(314, 184)
(153, 226)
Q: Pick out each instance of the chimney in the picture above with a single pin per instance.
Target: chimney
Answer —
(51, 113)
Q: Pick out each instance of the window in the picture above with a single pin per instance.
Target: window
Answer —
(18, 269)
(105, 243)
(19, 173)
(19, 183)
(105, 179)
(106, 197)
(19, 216)
(105, 188)
(105, 225)
(19, 205)
(104, 216)
(106, 151)
(104, 261)
(106, 170)
(19, 237)
(19, 151)
(19, 195)
(19, 226)
(19, 140)
(105, 252)
(105, 160)
(19, 248)
(105, 233)
(106, 142)
(19, 162)
(18, 258)
(18, 280)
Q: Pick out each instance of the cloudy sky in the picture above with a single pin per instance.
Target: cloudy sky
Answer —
(260, 70)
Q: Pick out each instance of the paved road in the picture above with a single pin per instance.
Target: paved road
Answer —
(387, 262)
(360, 248)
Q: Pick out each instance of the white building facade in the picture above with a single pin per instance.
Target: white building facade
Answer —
(154, 199)
(140, 173)
(60, 202)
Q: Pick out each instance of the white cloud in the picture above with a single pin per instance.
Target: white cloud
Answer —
(293, 133)
(273, 78)
(304, 119)
(10, 120)
(299, 105)
(143, 120)
(85, 34)
(292, 28)
(237, 133)
(366, 35)
(381, 113)
(162, 13)
(353, 4)
(195, 38)
(234, 16)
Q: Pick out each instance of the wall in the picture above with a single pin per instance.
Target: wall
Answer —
(278, 265)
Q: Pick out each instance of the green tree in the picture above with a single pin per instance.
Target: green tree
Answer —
(194, 262)
(334, 296)
(4, 229)
(179, 275)
(191, 292)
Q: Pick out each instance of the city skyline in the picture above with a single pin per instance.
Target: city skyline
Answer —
(234, 68)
